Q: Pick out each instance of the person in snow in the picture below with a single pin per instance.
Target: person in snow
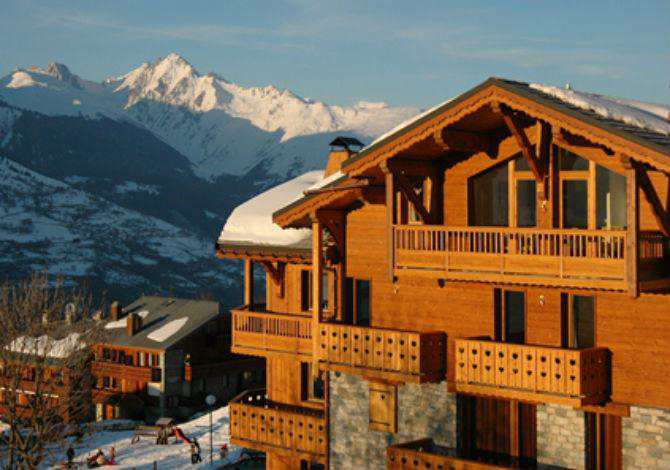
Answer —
(195, 451)
(70, 456)
(223, 452)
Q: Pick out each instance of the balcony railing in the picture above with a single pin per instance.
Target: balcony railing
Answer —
(261, 333)
(382, 353)
(138, 373)
(425, 453)
(579, 258)
(566, 376)
(259, 423)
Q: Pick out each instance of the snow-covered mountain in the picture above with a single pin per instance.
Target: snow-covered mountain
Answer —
(221, 127)
(160, 153)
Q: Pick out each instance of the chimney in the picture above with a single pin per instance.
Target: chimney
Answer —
(115, 311)
(133, 324)
(340, 150)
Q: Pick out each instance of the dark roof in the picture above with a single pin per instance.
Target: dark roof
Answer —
(159, 312)
(653, 140)
(346, 142)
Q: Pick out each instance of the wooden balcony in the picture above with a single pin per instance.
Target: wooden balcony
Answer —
(425, 453)
(574, 377)
(571, 258)
(263, 333)
(258, 423)
(128, 372)
(378, 353)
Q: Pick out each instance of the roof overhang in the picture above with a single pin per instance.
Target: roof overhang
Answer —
(241, 250)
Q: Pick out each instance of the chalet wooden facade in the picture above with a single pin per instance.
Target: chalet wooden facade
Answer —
(485, 287)
(162, 356)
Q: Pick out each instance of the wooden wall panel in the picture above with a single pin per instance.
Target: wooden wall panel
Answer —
(543, 322)
(283, 380)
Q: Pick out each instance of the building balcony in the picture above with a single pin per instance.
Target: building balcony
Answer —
(270, 334)
(377, 353)
(261, 424)
(125, 371)
(556, 257)
(425, 453)
(574, 377)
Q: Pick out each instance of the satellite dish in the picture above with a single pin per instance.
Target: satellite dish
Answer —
(210, 400)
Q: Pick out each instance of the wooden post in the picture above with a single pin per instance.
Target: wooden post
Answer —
(390, 218)
(248, 282)
(632, 227)
(317, 275)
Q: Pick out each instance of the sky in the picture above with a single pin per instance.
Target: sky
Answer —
(401, 52)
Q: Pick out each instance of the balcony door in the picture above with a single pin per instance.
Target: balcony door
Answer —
(510, 316)
(578, 321)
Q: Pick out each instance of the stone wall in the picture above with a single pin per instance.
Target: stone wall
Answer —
(560, 437)
(646, 439)
(426, 410)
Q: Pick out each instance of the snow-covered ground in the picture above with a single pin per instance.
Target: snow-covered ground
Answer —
(143, 454)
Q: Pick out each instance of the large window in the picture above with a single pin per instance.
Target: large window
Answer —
(610, 199)
(358, 301)
(579, 325)
(489, 199)
(510, 316)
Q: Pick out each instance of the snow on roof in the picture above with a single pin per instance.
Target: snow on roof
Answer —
(47, 346)
(167, 330)
(252, 221)
(653, 117)
(121, 323)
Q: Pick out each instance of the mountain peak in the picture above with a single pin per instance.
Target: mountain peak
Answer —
(62, 72)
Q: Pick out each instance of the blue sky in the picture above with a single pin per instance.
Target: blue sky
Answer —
(415, 53)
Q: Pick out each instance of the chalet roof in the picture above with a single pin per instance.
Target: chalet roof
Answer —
(162, 317)
(642, 123)
(653, 139)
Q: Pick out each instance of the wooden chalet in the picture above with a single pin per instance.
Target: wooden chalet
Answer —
(487, 286)
(162, 356)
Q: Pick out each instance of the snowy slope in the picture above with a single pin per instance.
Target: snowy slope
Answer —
(143, 454)
(46, 223)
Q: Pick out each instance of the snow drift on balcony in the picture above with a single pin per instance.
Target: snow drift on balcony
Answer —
(46, 346)
(251, 222)
(649, 116)
(167, 330)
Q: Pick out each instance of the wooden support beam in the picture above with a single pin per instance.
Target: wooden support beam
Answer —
(334, 222)
(543, 148)
(277, 274)
(647, 187)
(562, 136)
(317, 280)
(248, 282)
(632, 229)
(407, 189)
(390, 218)
(517, 130)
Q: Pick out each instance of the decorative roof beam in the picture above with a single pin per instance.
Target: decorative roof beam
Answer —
(407, 189)
(276, 273)
(647, 187)
(563, 136)
(516, 128)
(411, 167)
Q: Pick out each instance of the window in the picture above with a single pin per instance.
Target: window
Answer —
(610, 199)
(413, 216)
(510, 316)
(106, 354)
(357, 301)
(305, 290)
(312, 385)
(156, 360)
(325, 290)
(489, 200)
(141, 356)
(156, 375)
(575, 204)
(526, 203)
(578, 312)
(105, 382)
